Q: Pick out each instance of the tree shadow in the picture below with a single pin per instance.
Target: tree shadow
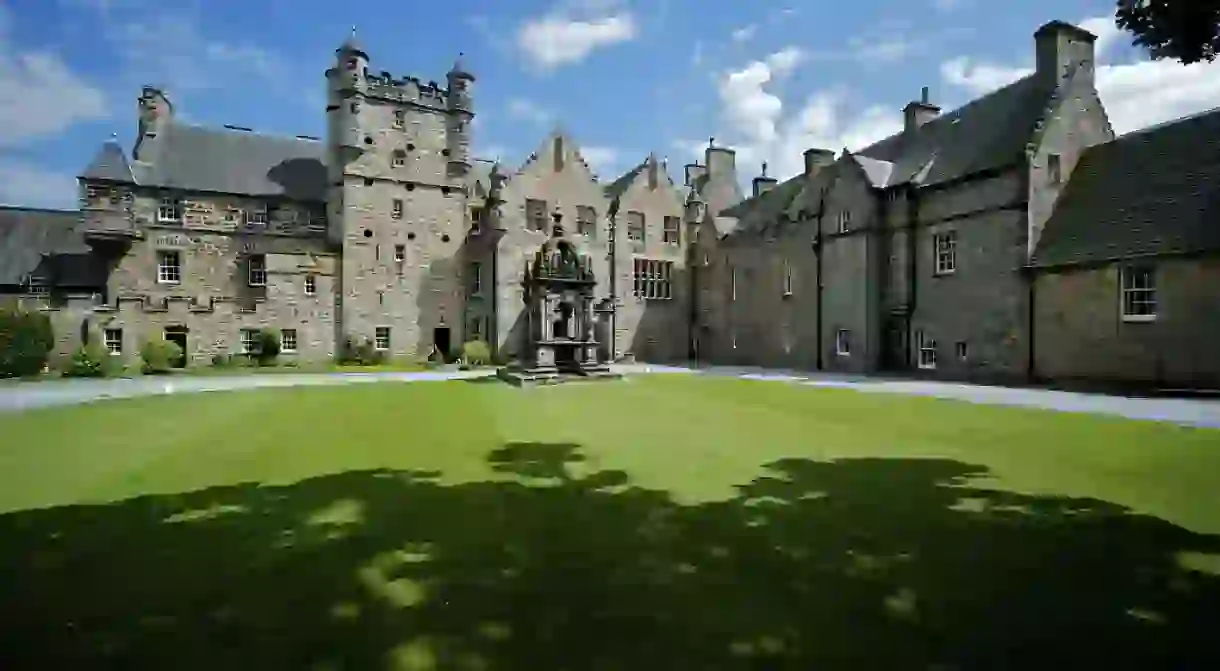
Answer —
(866, 563)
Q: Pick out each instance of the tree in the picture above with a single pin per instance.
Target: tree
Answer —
(1183, 30)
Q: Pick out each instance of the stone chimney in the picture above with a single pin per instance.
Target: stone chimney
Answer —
(654, 178)
(816, 159)
(919, 112)
(721, 162)
(693, 171)
(763, 183)
(154, 112)
(1061, 49)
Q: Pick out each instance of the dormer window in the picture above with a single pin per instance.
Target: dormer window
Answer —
(169, 210)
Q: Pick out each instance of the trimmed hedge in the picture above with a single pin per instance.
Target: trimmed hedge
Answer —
(476, 353)
(26, 341)
(159, 356)
(89, 361)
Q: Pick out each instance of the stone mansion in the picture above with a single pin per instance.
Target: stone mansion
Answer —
(1014, 238)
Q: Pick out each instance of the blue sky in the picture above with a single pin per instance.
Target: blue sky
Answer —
(623, 77)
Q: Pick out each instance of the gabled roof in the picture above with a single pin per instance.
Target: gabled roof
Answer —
(986, 133)
(758, 213)
(110, 165)
(618, 186)
(27, 234)
(195, 158)
(1146, 193)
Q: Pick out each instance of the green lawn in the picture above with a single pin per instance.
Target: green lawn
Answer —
(664, 522)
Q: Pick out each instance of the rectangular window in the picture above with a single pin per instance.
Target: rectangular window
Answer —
(381, 338)
(635, 226)
(396, 209)
(732, 284)
(248, 338)
(961, 351)
(535, 214)
(586, 221)
(170, 210)
(311, 285)
(945, 245)
(1138, 294)
(927, 350)
(256, 215)
(400, 119)
(400, 253)
(288, 340)
(231, 215)
(843, 342)
(652, 279)
(258, 270)
(476, 220)
(672, 234)
(1054, 168)
(476, 279)
(787, 278)
(169, 267)
(844, 221)
(114, 340)
(400, 159)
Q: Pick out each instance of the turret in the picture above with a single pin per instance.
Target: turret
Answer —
(461, 113)
(352, 62)
(346, 84)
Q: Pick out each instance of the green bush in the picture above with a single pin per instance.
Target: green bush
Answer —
(89, 361)
(476, 353)
(266, 347)
(159, 356)
(26, 341)
(360, 354)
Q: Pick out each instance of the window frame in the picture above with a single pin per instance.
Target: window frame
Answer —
(164, 277)
(671, 235)
(169, 210)
(843, 342)
(397, 207)
(256, 270)
(246, 339)
(382, 338)
(112, 340)
(637, 226)
(535, 214)
(1131, 295)
(476, 278)
(586, 220)
(311, 285)
(256, 215)
(948, 240)
(284, 341)
(925, 344)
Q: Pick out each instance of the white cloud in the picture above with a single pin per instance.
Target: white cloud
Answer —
(1137, 94)
(25, 184)
(527, 110)
(744, 33)
(567, 36)
(759, 127)
(40, 96)
(602, 160)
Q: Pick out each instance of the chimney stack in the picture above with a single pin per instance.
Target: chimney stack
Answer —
(816, 159)
(919, 112)
(693, 171)
(1061, 49)
(763, 183)
(721, 162)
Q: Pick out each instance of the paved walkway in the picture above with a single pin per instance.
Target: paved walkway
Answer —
(1204, 413)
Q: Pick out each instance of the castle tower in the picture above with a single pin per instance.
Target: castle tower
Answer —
(461, 113)
(398, 154)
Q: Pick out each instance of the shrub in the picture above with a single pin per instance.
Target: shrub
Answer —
(266, 347)
(362, 354)
(26, 341)
(502, 357)
(159, 356)
(89, 361)
(476, 353)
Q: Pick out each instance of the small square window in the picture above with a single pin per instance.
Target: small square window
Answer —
(400, 252)
(114, 341)
(311, 285)
(381, 338)
(396, 209)
(288, 340)
(248, 338)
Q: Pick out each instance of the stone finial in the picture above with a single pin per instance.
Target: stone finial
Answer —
(711, 143)
(764, 169)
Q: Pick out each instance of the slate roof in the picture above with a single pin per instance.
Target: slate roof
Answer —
(1147, 193)
(759, 213)
(195, 158)
(27, 235)
(110, 164)
(618, 186)
(986, 133)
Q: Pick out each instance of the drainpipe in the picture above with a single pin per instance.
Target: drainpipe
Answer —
(613, 287)
(1031, 371)
(912, 268)
(817, 303)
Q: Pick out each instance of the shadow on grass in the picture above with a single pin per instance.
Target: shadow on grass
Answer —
(853, 564)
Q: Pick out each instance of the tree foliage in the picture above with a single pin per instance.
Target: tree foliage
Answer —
(26, 341)
(1183, 30)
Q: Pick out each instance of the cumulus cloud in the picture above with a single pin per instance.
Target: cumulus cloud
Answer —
(744, 33)
(26, 184)
(40, 95)
(528, 110)
(759, 125)
(602, 160)
(1137, 93)
(567, 35)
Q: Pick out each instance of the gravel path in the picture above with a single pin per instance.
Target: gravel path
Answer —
(1203, 413)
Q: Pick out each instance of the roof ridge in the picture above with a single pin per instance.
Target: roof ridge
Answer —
(1168, 124)
(241, 133)
(25, 208)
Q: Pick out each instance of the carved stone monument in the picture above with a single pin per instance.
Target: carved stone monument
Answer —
(560, 341)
